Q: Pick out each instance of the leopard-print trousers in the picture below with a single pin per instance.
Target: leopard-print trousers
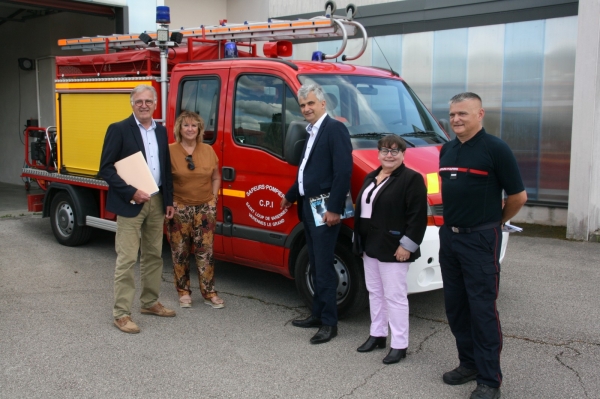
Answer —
(193, 228)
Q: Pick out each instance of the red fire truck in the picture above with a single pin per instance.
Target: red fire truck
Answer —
(255, 126)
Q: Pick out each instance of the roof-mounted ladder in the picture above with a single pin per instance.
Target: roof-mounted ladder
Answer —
(260, 31)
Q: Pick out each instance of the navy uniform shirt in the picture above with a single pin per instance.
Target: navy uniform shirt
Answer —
(473, 175)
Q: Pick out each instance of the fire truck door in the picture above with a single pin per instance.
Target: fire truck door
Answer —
(206, 95)
(255, 175)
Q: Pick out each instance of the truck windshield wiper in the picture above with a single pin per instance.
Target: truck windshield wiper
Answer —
(421, 133)
(368, 135)
(429, 134)
(376, 136)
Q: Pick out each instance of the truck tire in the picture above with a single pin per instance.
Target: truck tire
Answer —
(352, 294)
(64, 222)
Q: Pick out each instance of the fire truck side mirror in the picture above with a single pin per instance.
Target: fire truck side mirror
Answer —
(294, 142)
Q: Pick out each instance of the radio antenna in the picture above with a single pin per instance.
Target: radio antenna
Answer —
(385, 58)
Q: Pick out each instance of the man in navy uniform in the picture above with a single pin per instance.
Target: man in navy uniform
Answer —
(325, 169)
(475, 168)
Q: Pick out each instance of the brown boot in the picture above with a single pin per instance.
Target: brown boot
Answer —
(159, 310)
(127, 325)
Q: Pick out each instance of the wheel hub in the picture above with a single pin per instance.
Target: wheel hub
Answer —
(64, 219)
(343, 286)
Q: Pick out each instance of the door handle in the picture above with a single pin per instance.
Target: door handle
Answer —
(228, 173)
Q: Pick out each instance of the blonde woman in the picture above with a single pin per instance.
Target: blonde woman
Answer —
(196, 182)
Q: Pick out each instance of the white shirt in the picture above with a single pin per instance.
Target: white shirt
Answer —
(312, 131)
(366, 209)
(151, 148)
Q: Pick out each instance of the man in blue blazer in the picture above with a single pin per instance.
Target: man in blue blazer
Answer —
(326, 168)
(140, 215)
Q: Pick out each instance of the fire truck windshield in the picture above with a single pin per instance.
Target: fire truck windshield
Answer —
(372, 107)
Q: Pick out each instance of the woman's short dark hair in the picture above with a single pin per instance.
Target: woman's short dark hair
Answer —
(389, 141)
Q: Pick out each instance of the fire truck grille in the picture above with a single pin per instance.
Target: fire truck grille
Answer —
(437, 210)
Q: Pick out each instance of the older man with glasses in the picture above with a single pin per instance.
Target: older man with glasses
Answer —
(140, 215)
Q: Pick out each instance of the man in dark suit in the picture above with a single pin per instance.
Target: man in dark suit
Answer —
(140, 215)
(326, 168)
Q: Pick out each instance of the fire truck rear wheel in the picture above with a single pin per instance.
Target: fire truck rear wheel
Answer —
(63, 218)
(352, 295)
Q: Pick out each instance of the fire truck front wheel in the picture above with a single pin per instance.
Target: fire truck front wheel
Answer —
(64, 222)
(352, 294)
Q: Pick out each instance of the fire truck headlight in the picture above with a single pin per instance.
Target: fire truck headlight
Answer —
(145, 38)
(162, 35)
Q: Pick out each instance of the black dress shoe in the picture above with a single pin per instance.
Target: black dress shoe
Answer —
(372, 343)
(485, 392)
(394, 356)
(310, 321)
(459, 375)
(325, 334)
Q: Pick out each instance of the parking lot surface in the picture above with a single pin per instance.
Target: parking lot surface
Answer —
(57, 339)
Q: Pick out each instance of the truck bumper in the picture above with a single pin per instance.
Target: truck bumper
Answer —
(425, 274)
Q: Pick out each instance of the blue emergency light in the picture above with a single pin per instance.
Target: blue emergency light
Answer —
(317, 56)
(163, 15)
(231, 50)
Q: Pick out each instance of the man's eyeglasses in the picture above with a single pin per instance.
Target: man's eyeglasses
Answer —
(393, 151)
(190, 162)
(139, 103)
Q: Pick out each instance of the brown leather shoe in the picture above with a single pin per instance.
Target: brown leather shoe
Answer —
(159, 310)
(127, 325)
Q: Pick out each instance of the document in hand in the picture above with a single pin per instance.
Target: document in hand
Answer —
(135, 171)
(511, 228)
(318, 205)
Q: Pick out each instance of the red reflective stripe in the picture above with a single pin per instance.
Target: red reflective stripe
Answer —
(466, 170)
(453, 169)
(478, 172)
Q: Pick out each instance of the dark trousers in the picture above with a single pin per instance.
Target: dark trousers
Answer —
(471, 274)
(321, 248)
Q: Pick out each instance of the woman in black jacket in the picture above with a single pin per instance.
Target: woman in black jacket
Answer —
(389, 225)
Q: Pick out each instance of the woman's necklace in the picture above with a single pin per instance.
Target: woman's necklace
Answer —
(382, 176)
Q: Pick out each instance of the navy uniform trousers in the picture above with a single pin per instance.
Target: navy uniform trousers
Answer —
(321, 241)
(471, 273)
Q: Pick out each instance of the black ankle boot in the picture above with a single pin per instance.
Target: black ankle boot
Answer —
(394, 356)
(372, 343)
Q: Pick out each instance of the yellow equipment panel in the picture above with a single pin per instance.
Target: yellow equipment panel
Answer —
(84, 119)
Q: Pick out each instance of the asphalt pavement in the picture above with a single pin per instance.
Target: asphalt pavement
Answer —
(57, 339)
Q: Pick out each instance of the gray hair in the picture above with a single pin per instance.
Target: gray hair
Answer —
(315, 88)
(140, 88)
(465, 96)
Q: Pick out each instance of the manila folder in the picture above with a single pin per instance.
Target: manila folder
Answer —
(135, 171)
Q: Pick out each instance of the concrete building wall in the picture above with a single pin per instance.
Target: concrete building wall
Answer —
(584, 188)
(277, 7)
(255, 10)
(193, 13)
